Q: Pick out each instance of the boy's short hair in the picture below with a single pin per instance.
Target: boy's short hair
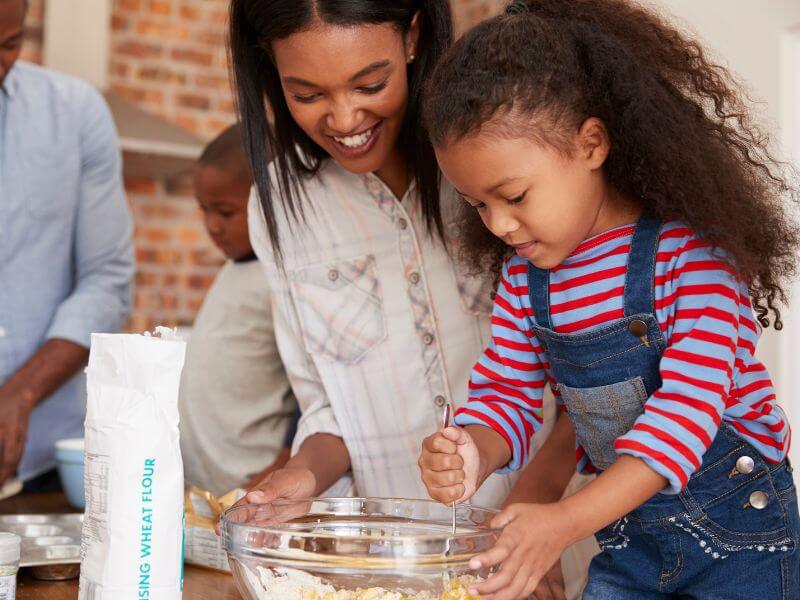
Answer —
(226, 153)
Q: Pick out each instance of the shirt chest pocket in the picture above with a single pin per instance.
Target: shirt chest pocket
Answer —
(51, 180)
(340, 309)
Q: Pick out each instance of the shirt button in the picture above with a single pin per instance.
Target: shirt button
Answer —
(427, 339)
(414, 278)
(402, 224)
(745, 465)
(440, 401)
(759, 500)
(333, 274)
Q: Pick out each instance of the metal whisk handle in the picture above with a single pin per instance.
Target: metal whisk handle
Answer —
(445, 425)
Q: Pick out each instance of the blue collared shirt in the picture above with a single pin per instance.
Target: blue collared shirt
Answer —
(66, 255)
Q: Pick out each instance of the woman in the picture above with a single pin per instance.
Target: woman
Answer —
(377, 328)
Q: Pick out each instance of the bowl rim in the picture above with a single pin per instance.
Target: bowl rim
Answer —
(225, 522)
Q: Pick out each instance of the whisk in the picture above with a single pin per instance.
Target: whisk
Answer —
(445, 424)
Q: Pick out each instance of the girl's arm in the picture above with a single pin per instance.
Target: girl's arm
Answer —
(507, 383)
(625, 486)
(535, 535)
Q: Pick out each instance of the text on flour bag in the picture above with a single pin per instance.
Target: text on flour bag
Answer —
(132, 540)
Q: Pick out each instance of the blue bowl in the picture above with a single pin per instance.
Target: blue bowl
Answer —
(69, 459)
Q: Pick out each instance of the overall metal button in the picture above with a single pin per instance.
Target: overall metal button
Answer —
(402, 223)
(758, 500)
(745, 465)
(639, 329)
(439, 401)
(333, 274)
(427, 339)
(414, 278)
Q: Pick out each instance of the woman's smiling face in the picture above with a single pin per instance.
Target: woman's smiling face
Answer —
(347, 88)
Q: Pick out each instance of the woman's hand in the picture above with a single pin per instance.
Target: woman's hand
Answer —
(284, 484)
(280, 462)
(533, 540)
(320, 462)
(450, 462)
(289, 483)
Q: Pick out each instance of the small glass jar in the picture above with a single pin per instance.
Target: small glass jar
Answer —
(9, 565)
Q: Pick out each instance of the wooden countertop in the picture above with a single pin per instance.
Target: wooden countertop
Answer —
(198, 583)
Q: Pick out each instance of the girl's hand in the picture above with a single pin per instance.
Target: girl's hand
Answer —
(534, 538)
(450, 463)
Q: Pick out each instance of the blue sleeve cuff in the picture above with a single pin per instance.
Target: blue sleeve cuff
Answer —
(79, 329)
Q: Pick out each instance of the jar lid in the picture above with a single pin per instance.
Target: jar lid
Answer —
(9, 548)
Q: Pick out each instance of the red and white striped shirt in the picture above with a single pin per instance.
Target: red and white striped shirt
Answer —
(709, 371)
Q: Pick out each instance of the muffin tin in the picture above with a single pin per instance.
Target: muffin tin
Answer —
(51, 544)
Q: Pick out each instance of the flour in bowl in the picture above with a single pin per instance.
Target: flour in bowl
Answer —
(291, 584)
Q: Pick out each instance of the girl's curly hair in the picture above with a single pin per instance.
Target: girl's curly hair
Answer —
(682, 140)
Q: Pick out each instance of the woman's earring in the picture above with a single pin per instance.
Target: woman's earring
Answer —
(411, 59)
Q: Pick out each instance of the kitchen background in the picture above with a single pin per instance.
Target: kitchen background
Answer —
(163, 66)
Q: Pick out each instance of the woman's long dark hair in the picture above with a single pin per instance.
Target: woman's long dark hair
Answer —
(682, 141)
(254, 24)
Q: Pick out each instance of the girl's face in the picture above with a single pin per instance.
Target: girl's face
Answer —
(347, 88)
(534, 197)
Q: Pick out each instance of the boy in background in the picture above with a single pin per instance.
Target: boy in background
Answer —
(238, 413)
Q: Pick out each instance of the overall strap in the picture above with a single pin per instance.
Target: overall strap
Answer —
(539, 293)
(640, 278)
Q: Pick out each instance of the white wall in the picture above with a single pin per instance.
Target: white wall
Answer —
(759, 40)
(77, 37)
(789, 345)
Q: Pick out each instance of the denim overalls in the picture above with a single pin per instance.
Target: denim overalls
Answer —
(733, 531)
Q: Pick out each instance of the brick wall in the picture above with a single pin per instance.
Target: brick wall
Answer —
(176, 261)
(169, 58)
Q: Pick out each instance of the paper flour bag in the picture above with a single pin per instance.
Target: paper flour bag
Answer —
(133, 527)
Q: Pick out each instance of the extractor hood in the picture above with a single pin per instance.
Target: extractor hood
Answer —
(77, 40)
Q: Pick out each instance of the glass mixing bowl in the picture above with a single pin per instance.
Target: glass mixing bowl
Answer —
(355, 548)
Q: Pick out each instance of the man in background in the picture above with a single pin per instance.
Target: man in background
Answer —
(236, 404)
(66, 256)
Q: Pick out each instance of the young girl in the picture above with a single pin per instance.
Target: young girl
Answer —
(646, 220)
(376, 327)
